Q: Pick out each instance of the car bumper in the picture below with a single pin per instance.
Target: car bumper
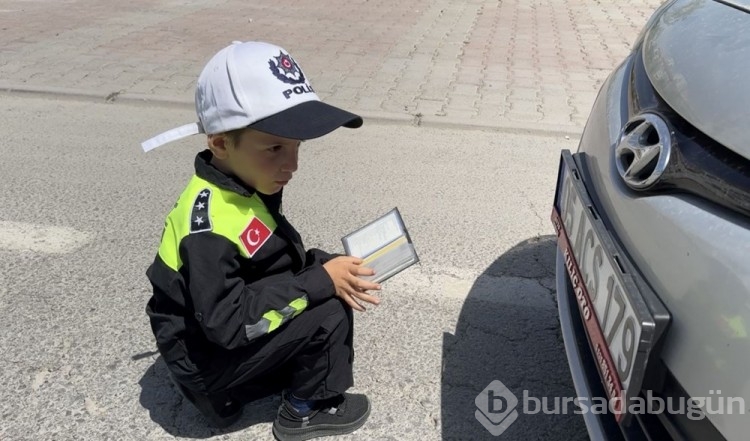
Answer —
(586, 380)
(608, 115)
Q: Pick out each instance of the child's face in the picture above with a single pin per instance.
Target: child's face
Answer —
(263, 161)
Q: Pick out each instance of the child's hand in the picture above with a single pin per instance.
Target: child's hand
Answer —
(345, 272)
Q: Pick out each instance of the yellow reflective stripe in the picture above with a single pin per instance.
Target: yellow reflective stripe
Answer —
(299, 305)
(277, 318)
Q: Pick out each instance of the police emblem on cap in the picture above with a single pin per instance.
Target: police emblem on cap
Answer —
(286, 69)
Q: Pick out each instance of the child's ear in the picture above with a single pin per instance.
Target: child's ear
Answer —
(218, 145)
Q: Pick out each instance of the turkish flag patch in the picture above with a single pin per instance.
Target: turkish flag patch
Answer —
(255, 234)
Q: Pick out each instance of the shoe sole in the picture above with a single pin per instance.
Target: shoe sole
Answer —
(305, 433)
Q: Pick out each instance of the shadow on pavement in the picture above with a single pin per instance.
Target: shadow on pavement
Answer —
(180, 418)
(508, 330)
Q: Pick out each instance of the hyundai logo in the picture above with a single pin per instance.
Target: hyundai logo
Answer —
(643, 152)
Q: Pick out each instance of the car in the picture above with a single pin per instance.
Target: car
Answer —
(652, 215)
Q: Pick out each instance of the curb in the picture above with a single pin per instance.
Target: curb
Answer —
(437, 122)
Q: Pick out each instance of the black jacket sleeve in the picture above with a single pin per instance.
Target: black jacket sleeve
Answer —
(232, 312)
(315, 255)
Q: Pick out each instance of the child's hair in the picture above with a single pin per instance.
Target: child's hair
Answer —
(234, 136)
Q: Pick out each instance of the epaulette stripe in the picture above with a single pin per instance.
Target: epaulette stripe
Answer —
(200, 217)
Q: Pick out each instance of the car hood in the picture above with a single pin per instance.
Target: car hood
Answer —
(697, 56)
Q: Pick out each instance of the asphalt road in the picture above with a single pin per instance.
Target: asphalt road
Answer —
(82, 211)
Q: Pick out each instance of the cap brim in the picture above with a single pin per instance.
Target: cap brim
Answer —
(308, 120)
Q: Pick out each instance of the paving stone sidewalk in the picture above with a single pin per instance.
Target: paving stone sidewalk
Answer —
(503, 63)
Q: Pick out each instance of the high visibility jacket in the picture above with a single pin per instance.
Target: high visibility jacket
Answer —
(230, 268)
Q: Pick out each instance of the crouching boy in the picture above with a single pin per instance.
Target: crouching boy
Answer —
(240, 309)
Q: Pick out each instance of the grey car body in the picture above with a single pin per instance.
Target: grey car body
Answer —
(679, 218)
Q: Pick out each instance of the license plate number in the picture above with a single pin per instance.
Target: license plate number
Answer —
(620, 326)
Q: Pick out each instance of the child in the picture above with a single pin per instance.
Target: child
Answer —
(240, 309)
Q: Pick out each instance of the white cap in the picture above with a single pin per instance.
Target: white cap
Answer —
(257, 85)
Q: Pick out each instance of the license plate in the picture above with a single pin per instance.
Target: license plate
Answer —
(623, 318)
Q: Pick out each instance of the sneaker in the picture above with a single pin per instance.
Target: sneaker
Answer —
(336, 416)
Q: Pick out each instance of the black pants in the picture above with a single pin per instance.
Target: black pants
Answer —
(311, 355)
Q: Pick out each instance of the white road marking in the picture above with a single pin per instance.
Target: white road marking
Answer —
(21, 236)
